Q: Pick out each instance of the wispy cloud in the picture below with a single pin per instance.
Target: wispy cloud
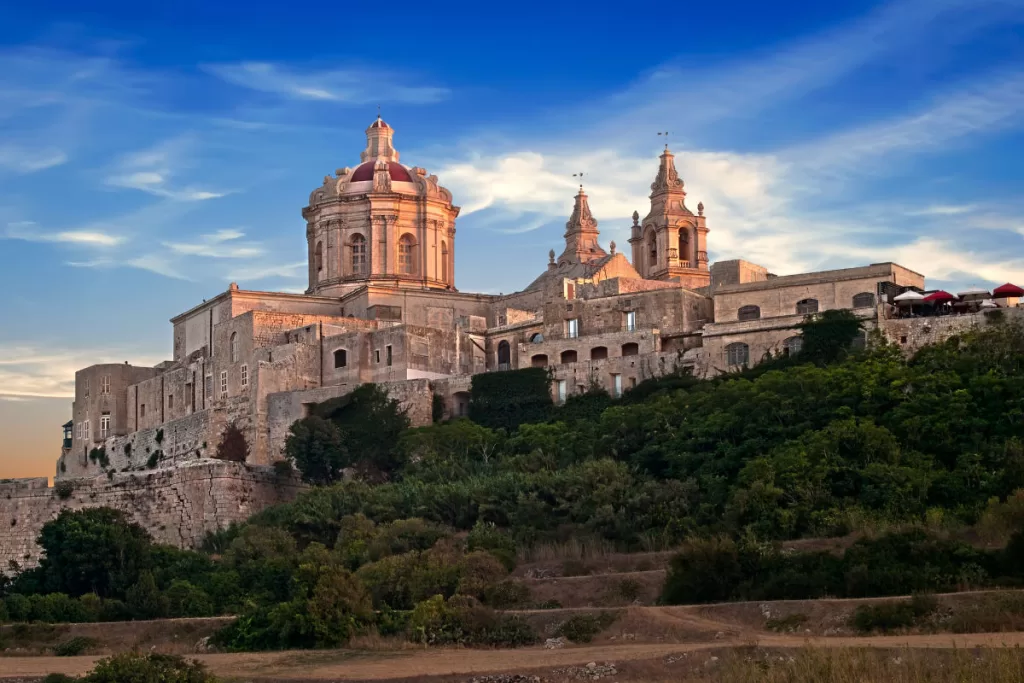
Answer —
(151, 170)
(221, 244)
(30, 160)
(258, 272)
(348, 86)
(31, 232)
(29, 370)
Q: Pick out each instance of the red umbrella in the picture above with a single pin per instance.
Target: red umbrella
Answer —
(939, 297)
(1007, 290)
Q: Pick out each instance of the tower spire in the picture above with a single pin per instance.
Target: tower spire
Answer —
(581, 234)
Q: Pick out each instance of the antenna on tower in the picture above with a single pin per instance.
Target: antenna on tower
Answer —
(580, 176)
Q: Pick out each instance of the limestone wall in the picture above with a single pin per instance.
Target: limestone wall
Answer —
(177, 505)
(913, 333)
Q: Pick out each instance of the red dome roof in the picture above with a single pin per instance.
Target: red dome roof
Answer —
(395, 170)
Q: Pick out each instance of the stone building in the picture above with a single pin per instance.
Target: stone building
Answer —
(382, 307)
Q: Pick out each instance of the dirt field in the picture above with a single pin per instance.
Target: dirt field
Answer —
(677, 624)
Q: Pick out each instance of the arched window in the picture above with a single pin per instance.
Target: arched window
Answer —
(792, 346)
(569, 356)
(536, 338)
(318, 256)
(737, 354)
(631, 349)
(234, 347)
(444, 262)
(807, 306)
(406, 255)
(340, 358)
(504, 355)
(684, 245)
(652, 251)
(358, 254)
(864, 300)
(749, 313)
(599, 353)
(539, 361)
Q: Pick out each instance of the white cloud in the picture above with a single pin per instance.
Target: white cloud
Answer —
(264, 271)
(26, 160)
(152, 170)
(217, 245)
(28, 371)
(30, 232)
(350, 86)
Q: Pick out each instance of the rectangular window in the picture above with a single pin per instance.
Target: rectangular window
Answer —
(105, 385)
(616, 386)
(630, 321)
(209, 387)
(223, 382)
(632, 382)
(142, 410)
(572, 328)
(104, 425)
(387, 351)
(78, 431)
(85, 431)
(563, 387)
(245, 375)
(376, 356)
(85, 386)
(170, 402)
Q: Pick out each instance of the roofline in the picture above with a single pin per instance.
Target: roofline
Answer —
(245, 293)
(797, 278)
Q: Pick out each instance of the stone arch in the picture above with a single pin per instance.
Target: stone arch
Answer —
(539, 360)
(569, 356)
(536, 338)
(599, 353)
(807, 306)
(684, 244)
(864, 300)
(750, 312)
(792, 345)
(504, 355)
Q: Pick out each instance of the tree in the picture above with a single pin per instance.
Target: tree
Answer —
(371, 423)
(144, 599)
(315, 446)
(98, 550)
(827, 336)
(233, 446)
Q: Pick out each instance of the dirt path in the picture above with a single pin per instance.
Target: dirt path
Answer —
(352, 665)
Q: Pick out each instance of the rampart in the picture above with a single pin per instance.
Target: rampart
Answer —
(177, 505)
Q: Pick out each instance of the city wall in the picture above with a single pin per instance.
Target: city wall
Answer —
(177, 505)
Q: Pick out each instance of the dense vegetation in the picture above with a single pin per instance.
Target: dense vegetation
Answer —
(420, 536)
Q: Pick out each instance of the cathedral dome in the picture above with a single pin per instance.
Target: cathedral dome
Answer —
(397, 172)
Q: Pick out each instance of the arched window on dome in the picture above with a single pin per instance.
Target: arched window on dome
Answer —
(406, 255)
(444, 261)
(358, 254)
(318, 256)
(684, 246)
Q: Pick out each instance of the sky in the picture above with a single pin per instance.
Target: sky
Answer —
(152, 153)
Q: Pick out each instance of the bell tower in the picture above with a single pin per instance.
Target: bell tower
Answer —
(671, 242)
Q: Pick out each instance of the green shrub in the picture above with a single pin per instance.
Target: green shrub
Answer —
(581, 628)
(464, 621)
(790, 622)
(74, 647)
(628, 589)
(480, 571)
(64, 489)
(185, 600)
(506, 595)
(149, 668)
(58, 678)
(487, 536)
(890, 616)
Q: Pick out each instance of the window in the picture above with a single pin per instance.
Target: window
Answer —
(142, 410)
(104, 425)
(387, 353)
(807, 306)
(616, 386)
(684, 246)
(223, 382)
(536, 338)
(860, 341)
(444, 262)
(78, 431)
(539, 361)
(340, 358)
(864, 300)
(234, 347)
(376, 356)
(630, 321)
(792, 346)
(245, 375)
(569, 356)
(209, 386)
(105, 385)
(749, 313)
(85, 386)
(631, 349)
(572, 328)
(406, 256)
(563, 388)
(632, 382)
(599, 353)
(652, 252)
(358, 254)
(170, 401)
(86, 433)
(318, 256)
(737, 354)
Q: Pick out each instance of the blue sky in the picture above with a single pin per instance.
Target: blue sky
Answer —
(152, 153)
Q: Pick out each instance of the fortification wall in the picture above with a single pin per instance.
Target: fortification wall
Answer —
(177, 505)
(911, 334)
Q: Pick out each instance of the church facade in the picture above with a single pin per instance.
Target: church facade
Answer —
(382, 306)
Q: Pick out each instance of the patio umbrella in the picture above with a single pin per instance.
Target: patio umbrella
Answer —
(1007, 290)
(973, 294)
(988, 303)
(939, 297)
(909, 297)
